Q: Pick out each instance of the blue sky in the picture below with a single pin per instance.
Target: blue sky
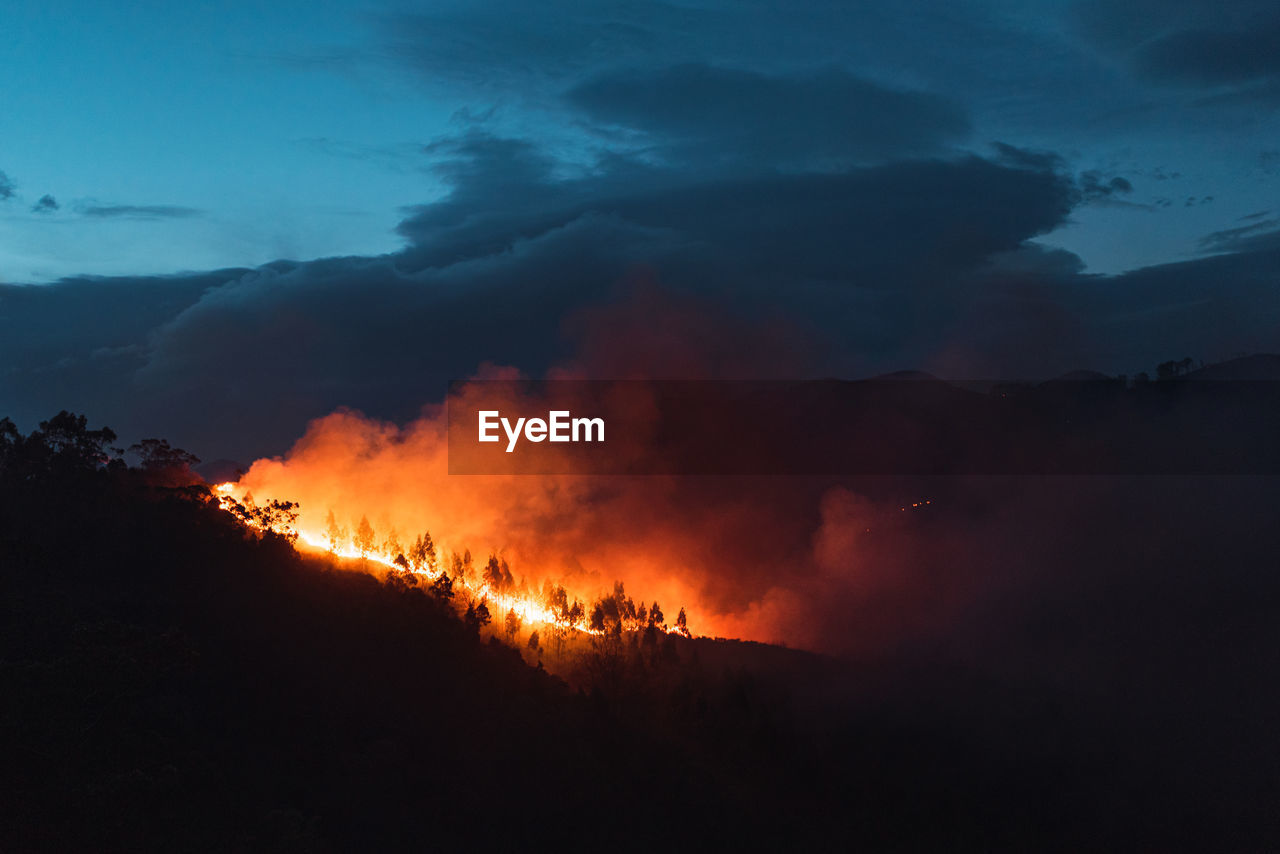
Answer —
(296, 130)
(195, 106)
(221, 220)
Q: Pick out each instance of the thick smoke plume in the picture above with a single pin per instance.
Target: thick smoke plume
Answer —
(755, 558)
(835, 564)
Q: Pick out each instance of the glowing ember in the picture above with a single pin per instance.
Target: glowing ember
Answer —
(527, 607)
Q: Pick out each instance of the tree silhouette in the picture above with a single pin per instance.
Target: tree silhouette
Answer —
(442, 587)
(364, 540)
(498, 575)
(158, 455)
(512, 625)
(682, 623)
(275, 516)
(334, 533)
(11, 442)
(422, 554)
(64, 443)
(477, 615)
(1172, 369)
(391, 545)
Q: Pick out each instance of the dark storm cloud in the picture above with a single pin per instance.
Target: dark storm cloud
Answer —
(696, 112)
(6, 187)
(494, 268)
(45, 204)
(295, 341)
(905, 217)
(901, 262)
(78, 342)
(1231, 47)
(139, 211)
(1212, 308)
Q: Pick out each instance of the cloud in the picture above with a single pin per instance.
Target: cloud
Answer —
(1023, 158)
(479, 44)
(45, 204)
(928, 262)
(700, 113)
(1232, 50)
(903, 218)
(1259, 234)
(1213, 56)
(496, 268)
(1096, 188)
(139, 212)
(79, 341)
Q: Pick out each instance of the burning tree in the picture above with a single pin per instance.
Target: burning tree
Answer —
(335, 535)
(422, 554)
(392, 549)
(364, 540)
(498, 574)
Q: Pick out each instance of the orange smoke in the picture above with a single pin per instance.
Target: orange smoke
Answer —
(548, 528)
(751, 558)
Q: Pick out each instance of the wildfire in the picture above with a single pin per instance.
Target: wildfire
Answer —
(528, 607)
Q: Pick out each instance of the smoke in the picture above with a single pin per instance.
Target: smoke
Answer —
(748, 557)
(850, 566)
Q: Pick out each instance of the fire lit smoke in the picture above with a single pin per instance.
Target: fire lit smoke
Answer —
(755, 558)
(546, 529)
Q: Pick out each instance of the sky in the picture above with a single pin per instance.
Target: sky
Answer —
(213, 209)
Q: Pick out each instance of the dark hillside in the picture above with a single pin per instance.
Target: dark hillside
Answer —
(171, 680)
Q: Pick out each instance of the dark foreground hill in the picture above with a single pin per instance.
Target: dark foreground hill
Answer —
(171, 681)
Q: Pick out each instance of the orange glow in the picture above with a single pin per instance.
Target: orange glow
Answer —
(713, 551)
(526, 607)
(396, 478)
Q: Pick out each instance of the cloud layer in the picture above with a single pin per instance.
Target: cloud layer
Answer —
(917, 263)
